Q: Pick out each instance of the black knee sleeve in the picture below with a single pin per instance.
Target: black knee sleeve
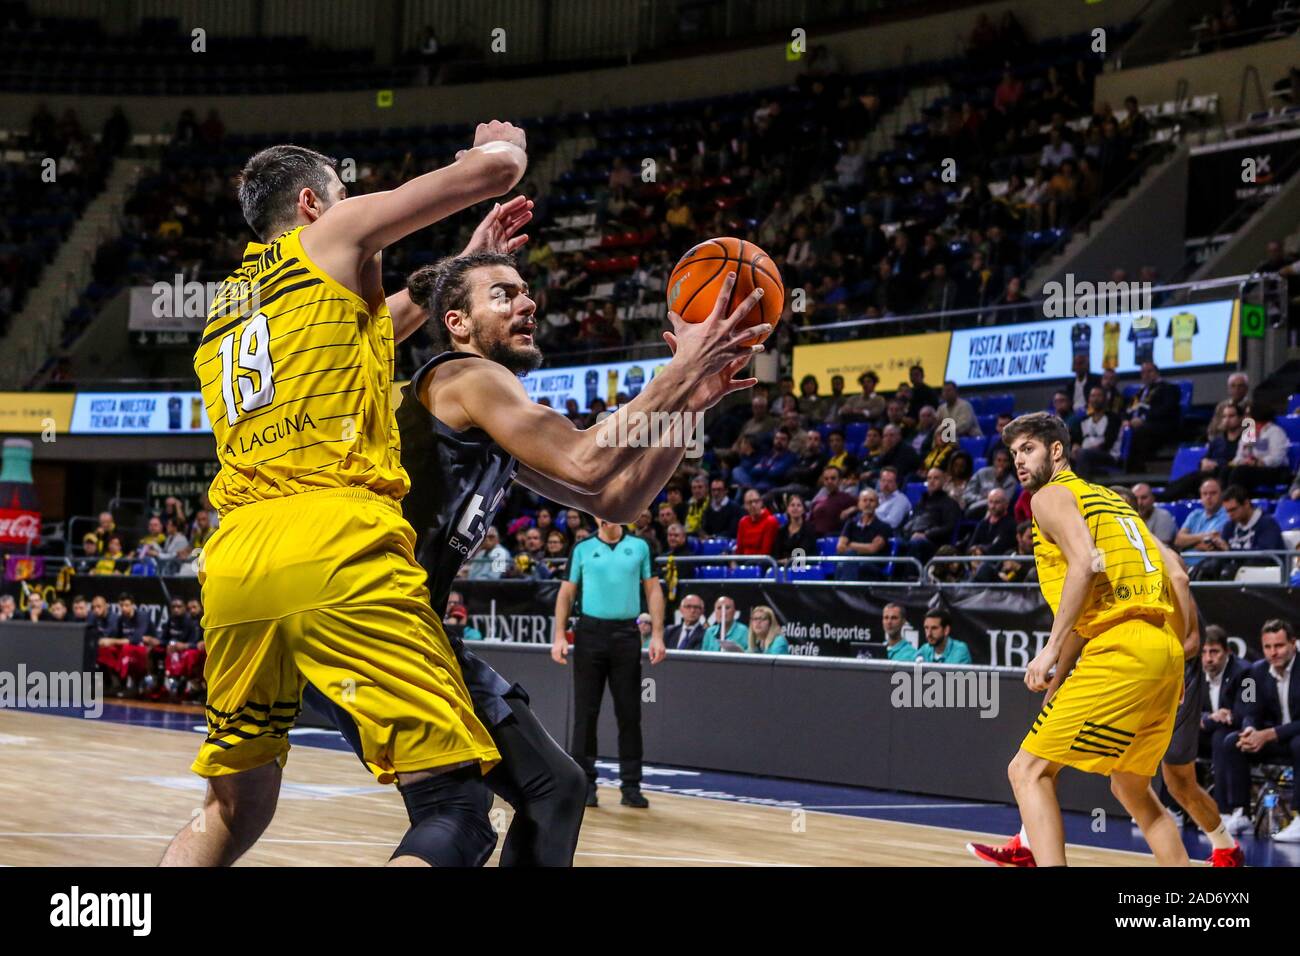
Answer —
(547, 789)
(449, 819)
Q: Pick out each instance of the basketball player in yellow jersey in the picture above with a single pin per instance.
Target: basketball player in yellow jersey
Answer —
(312, 576)
(1103, 575)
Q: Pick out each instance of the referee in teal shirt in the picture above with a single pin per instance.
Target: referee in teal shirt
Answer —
(613, 569)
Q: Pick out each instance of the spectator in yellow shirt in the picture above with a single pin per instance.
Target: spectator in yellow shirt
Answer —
(112, 554)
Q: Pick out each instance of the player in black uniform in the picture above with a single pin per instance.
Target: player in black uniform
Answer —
(468, 430)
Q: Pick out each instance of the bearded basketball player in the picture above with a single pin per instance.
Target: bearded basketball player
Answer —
(468, 431)
(1179, 764)
(1103, 576)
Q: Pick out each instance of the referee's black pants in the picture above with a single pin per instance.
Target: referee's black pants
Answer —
(607, 651)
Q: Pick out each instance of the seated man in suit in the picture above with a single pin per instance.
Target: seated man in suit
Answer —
(1270, 726)
(1154, 416)
(687, 635)
(1222, 704)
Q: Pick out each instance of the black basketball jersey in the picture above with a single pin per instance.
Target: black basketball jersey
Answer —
(458, 481)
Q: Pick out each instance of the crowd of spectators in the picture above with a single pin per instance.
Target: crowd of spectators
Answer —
(42, 197)
(166, 545)
(953, 216)
(140, 653)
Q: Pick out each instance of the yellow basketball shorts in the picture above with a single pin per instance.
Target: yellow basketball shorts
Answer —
(323, 587)
(1116, 710)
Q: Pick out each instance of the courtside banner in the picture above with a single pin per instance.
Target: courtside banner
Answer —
(888, 357)
(30, 413)
(1001, 626)
(1174, 337)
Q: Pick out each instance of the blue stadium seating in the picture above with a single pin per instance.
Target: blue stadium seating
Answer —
(1181, 509)
(914, 490)
(809, 572)
(973, 446)
(1291, 425)
(1293, 404)
(993, 404)
(712, 546)
(1186, 460)
(747, 571)
(855, 433)
(1288, 514)
(826, 545)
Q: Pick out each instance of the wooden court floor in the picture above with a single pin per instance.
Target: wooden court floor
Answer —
(76, 792)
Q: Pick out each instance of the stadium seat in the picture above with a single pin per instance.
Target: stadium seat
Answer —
(712, 546)
(855, 433)
(914, 490)
(972, 446)
(747, 571)
(1291, 425)
(809, 572)
(1293, 404)
(1185, 507)
(993, 405)
(1186, 460)
(1288, 514)
(1185, 390)
(826, 545)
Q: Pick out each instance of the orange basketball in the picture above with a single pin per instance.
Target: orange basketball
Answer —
(698, 277)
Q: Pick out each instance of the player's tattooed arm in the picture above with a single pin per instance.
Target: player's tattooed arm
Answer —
(498, 232)
(1058, 517)
(354, 229)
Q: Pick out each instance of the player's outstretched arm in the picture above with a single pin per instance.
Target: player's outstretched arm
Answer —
(354, 229)
(635, 488)
(1058, 517)
(589, 460)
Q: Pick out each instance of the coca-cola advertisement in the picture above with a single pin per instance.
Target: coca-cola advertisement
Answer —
(20, 512)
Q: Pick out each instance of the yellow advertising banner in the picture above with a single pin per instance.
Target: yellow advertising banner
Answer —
(890, 358)
(1233, 352)
(27, 413)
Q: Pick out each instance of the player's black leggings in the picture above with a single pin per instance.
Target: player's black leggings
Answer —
(543, 784)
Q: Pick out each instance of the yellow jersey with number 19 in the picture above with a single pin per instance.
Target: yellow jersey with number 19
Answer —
(296, 373)
(1130, 583)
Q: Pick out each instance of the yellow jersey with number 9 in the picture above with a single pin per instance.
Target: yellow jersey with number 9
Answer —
(296, 373)
(1130, 583)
